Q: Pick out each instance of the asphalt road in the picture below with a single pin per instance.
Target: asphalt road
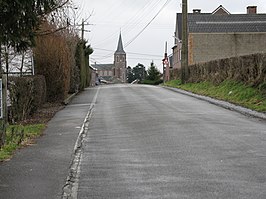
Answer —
(148, 142)
(40, 171)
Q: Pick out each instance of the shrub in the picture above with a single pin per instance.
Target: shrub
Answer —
(152, 82)
(26, 95)
(82, 54)
(74, 67)
(154, 76)
(53, 60)
(262, 88)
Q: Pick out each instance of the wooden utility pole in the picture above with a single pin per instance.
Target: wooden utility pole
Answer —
(82, 30)
(184, 53)
(82, 59)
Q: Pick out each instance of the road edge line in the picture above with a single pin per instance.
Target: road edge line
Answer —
(70, 188)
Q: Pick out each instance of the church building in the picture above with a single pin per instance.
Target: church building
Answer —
(115, 72)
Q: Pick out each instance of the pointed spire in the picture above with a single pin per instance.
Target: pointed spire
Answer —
(120, 48)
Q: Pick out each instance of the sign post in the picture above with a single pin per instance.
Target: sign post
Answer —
(3, 109)
(1, 98)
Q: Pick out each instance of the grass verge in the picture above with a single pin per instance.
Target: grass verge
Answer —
(18, 136)
(152, 82)
(234, 92)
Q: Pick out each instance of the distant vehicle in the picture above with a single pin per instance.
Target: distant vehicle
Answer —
(136, 81)
(102, 81)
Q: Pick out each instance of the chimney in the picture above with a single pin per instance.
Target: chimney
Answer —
(252, 10)
(196, 11)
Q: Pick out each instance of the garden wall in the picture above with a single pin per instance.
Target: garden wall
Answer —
(250, 69)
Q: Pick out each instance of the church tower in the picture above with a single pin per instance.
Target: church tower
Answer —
(120, 61)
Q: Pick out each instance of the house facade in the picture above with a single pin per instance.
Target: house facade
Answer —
(117, 69)
(104, 70)
(220, 34)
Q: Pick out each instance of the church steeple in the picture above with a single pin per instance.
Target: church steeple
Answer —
(120, 48)
(120, 61)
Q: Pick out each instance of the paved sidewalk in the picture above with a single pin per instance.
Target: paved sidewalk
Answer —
(40, 171)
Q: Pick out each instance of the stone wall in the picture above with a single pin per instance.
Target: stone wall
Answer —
(250, 69)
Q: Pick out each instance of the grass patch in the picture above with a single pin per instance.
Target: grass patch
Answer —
(18, 136)
(152, 82)
(234, 92)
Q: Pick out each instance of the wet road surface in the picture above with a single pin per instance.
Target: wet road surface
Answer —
(149, 142)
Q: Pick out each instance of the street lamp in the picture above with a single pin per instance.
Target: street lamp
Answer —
(178, 40)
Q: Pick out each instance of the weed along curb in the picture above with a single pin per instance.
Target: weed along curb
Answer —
(224, 104)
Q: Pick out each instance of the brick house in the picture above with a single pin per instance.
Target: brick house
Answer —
(104, 70)
(220, 34)
(116, 70)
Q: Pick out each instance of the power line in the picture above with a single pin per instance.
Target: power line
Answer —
(139, 16)
(144, 54)
(129, 52)
(139, 58)
(133, 39)
(136, 18)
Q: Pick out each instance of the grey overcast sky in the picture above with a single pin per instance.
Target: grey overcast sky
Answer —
(132, 16)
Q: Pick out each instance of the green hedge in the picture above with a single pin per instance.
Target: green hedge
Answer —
(152, 82)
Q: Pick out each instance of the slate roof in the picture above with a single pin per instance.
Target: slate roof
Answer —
(120, 48)
(233, 23)
(103, 66)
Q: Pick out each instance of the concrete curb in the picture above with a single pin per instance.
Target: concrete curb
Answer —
(224, 104)
(70, 189)
(70, 185)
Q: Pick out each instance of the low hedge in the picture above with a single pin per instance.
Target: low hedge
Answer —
(152, 82)
(26, 95)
